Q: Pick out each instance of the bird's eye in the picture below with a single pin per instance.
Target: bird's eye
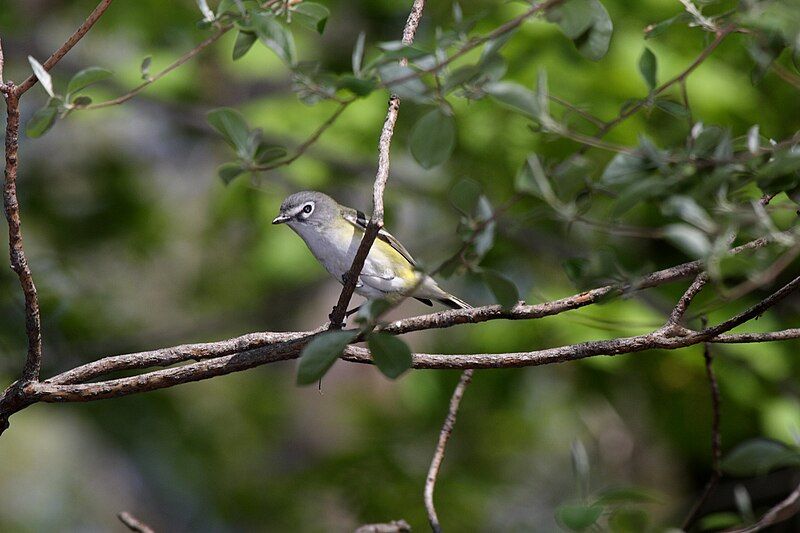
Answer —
(307, 209)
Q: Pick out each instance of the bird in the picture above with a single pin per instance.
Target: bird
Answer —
(333, 233)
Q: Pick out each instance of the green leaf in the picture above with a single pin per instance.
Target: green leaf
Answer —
(244, 41)
(578, 517)
(266, 153)
(647, 67)
(587, 24)
(86, 77)
(757, 457)
(391, 355)
(532, 180)
(720, 521)
(673, 108)
(82, 100)
(574, 17)
(320, 354)
(404, 82)
(42, 75)
(626, 495)
(357, 86)
(594, 44)
(484, 240)
(371, 310)
(628, 521)
(690, 211)
(145, 67)
(275, 37)
(654, 30)
(311, 15)
(503, 289)
(624, 168)
(227, 172)
(465, 195)
(358, 54)
(514, 96)
(231, 125)
(433, 138)
(691, 240)
(41, 121)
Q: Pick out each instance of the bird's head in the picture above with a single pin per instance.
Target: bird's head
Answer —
(310, 208)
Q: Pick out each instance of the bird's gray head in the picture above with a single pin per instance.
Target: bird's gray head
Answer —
(307, 207)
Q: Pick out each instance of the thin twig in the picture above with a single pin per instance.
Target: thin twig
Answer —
(441, 445)
(786, 75)
(133, 523)
(67, 46)
(686, 299)
(716, 437)
(375, 224)
(301, 149)
(19, 263)
(222, 30)
(631, 110)
(596, 121)
(785, 509)
(474, 43)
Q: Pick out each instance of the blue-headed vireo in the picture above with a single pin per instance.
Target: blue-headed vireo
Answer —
(333, 232)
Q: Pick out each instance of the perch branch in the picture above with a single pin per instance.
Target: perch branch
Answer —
(375, 224)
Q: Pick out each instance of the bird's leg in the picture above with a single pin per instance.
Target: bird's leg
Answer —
(350, 312)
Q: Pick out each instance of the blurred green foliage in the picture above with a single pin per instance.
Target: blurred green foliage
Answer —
(135, 243)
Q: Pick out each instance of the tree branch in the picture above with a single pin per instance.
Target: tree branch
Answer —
(301, 149)
(67, 46)
(19, 263)
(686, 299)
(438, 456)
(375, 224)
(785, 509)
(221, 30)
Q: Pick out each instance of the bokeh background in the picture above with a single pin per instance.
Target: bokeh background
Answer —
(136, 244)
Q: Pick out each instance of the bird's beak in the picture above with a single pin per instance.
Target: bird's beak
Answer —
(280, 219)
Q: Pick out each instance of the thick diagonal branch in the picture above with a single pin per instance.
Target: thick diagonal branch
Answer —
(67, 46)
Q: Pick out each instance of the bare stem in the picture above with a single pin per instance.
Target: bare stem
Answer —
(441, 445)
(375, 224)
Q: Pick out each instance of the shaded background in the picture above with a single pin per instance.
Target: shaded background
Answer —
(136, 244)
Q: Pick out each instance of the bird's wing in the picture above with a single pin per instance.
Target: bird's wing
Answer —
(359, 220)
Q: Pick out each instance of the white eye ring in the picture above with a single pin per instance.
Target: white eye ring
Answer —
(307, 210)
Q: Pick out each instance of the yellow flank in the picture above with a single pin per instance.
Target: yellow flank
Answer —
(400, 266)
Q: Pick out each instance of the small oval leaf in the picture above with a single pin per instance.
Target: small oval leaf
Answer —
(42, 75)
(86, 77)
(41, 121)
(320, 354)
(391, 355)
(433, 138)
(504, 290)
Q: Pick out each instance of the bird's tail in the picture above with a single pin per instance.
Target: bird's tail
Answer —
(453, 302)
